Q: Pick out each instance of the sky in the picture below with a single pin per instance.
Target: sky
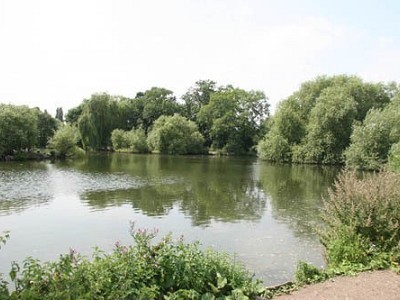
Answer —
(56, 53)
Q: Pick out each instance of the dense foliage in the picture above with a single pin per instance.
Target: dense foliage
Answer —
(65, 140)
(361, 226)
(362, 219)
(315, 124)
(18, 128)
(175, 135)
(134, 140)
(227, 118)
(163, 270)
(373, 139)
(233, 118)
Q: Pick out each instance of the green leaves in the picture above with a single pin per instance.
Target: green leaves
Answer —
(314, 125)
(164, 270)
(233, 119)
(175, 135)
(18, 128)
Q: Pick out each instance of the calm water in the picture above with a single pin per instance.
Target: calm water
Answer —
(264, 214)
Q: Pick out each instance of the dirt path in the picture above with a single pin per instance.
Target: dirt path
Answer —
(365, 286)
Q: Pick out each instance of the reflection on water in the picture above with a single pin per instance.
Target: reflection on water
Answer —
(264, 213)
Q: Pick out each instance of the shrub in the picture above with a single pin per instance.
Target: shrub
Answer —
(137, 140)
(362, 217)
(175, 135)
(64, 141)
(164, 270)
(119, 139)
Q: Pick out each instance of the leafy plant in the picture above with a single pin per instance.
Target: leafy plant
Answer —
(164, 270)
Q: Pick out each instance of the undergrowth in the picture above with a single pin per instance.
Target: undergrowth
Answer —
(147, 270)
(361, 227)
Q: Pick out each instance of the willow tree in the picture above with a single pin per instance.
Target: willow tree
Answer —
(314, 124)
(100, 116)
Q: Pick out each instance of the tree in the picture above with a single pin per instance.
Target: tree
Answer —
(316, 121)
(137, 140)
(73, 114)
(156, 102)
(60, 114)
(329, 127)
(64, 140)
(100, 116)
(372, 140)
(175, 135)
(233, 119)
(46, 125)
(119, 139)
(18, 128)
(196, 97)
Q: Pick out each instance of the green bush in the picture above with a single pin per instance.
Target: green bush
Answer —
(119, 139)
(137, 140)
(175, 135)
(147, 270)
(394, 157)
(64, 141)
(362, 218)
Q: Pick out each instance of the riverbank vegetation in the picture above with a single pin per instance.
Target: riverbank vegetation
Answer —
(147, 270)
(361, 227)
(329, 120)
(336, 120)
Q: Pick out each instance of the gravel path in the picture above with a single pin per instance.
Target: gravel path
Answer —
(365, 286)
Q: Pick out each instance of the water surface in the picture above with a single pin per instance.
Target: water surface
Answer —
(262, 213)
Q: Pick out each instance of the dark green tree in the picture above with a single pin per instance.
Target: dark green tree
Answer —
(60, 114)
(46, 126)
(18, 128)
(196, 97)
(157, 102)
(233, 119)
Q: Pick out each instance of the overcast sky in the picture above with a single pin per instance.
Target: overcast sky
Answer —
(56, 53)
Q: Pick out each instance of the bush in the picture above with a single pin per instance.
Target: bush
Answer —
(175, 135)
(64, 141)
(119, 139)
(164, 270)
(137, 140)
(394, 157)
(362, 220)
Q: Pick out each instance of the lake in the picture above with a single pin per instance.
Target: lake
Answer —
(264, 214)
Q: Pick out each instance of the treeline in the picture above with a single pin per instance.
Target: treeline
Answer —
(24, 128)
(221, 118)
(337, 120)
(330, 120)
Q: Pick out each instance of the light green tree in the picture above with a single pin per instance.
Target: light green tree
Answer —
(119, 139)
(65, 140)
(316, 121)
(137, 140)
(175, 135)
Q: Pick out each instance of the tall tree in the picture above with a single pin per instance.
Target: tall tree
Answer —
(196, 97)
(233, 118)
(60, 114)
(46, 126)
(18, 128)
(157, 102)
(314, 124)
(100, 116)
